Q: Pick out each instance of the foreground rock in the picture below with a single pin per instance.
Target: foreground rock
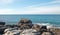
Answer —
(21, 32)
(25, 23)
(25, 27)
(56, 31)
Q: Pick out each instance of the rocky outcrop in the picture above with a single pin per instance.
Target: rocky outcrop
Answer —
(21, 32)
(25, 23)
(25, 27)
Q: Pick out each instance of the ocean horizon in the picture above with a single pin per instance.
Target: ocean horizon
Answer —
(45, 19)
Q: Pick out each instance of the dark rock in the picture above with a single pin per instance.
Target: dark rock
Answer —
(2, 27)
(43, 29)
(25, 23)
(2, 30)
(2, 23)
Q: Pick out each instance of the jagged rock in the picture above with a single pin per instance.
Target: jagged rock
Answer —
(25, 23)
(30, 32)
(36, 27)
(56, 31)
(21, 32)
(12, 31)
(43, 29)
(46, 33)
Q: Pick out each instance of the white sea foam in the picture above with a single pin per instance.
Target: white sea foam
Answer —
(49, 25)
(45, 24)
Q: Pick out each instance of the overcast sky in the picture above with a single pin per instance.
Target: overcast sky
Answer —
(29, 6)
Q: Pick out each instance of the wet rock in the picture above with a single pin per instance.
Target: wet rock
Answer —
(2, 23)
(2, 30)
(43, 29)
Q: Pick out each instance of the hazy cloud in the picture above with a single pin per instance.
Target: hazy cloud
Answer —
(35, 9)
(7, 1)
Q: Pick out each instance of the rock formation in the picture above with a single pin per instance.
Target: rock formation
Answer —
(25, 23)
(27, 28)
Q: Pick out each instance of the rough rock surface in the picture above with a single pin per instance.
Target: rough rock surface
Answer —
(21, 32)
(25, 23)
(25, 27)
(36, 27)
(46, 33)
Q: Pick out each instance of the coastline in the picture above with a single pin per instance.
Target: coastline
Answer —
(26, 25)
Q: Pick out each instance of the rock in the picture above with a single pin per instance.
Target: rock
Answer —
(21, 32)
(2, 30)
(11, 31)
(30, 32)
(43, 29)
(2, 23)
(25, 23)
(46, 33)
(56, 31)
(36, 27)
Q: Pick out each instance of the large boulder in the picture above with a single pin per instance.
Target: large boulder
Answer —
(25, 23)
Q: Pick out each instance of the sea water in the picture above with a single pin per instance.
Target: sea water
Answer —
(45, 19)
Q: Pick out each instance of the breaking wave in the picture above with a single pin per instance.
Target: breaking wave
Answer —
(44, 24)
(48, 25)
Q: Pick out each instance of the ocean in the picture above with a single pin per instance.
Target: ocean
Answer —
(46, 19)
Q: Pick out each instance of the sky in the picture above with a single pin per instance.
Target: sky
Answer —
(29, 6)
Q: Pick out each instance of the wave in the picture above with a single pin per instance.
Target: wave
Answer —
(44, 24)
(49, 25)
